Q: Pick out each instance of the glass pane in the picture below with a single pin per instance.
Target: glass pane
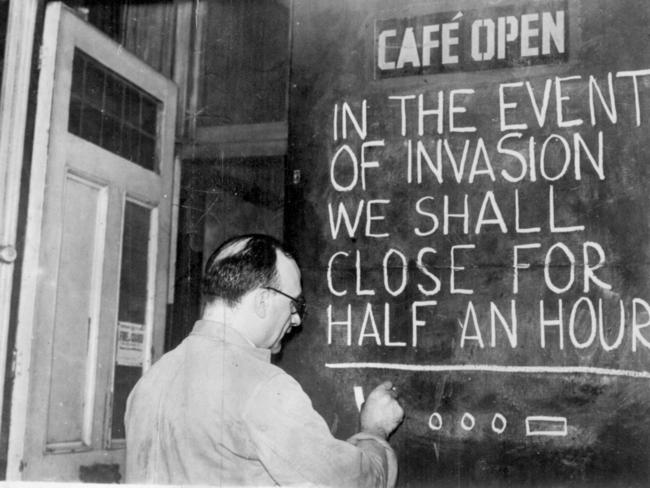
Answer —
(111, 134)
(132, 310)
(78, 66)
(109, 111)
(114, 97)
(130, 148)
(132, 115)
(125, 379)
(147, 151)
(135, 250)
(149, 117)
(94, 85)
(91, 124)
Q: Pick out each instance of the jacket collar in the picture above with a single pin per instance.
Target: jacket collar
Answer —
(228, 335)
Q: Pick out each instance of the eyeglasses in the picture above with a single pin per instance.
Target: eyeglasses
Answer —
(300, 304)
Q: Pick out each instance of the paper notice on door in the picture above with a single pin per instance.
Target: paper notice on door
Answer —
(130, 344)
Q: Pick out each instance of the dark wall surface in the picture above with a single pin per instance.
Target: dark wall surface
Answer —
(517, 332)
(243, 77)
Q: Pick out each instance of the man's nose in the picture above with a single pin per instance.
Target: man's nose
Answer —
(296, 320)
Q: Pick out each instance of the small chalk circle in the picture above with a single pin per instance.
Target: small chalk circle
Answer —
(499, 423)
(435, 421)
(467, 422)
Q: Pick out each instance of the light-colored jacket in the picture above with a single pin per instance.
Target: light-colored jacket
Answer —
(215, 411)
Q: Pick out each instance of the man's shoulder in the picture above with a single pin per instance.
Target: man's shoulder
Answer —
(259, 371)
(161, 371)
(275, 379)
(223, 364)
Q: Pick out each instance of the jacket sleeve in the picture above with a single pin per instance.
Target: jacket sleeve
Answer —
(296, 447)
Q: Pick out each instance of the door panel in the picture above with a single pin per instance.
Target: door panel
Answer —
(74, 349)
(94, 290)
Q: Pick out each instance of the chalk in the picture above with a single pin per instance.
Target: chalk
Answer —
(358, 397)
(544, 425)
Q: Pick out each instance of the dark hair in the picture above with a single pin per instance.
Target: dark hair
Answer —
(240, 265)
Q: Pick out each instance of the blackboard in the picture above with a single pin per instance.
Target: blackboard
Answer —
(477, 232)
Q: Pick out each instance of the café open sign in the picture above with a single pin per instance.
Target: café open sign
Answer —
(524, 34)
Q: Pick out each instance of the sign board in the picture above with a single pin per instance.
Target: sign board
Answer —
(521, 34)
(130, 344)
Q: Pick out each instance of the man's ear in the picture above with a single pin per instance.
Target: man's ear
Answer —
(261, 302)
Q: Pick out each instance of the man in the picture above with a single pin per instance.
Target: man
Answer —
(215, 411)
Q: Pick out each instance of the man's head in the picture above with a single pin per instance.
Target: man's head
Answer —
(256, 279)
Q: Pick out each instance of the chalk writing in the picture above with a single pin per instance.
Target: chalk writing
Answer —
(546, 426)
(499, 423)
(435, 421)
(433, 147)
(467, 421)
(493, 368)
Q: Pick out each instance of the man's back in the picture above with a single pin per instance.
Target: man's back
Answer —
(184, 421)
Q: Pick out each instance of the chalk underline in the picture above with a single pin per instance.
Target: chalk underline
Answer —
(493, 368)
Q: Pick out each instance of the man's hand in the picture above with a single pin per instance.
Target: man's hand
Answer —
(381, 413)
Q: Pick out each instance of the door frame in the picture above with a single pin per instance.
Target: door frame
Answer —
(17, 72)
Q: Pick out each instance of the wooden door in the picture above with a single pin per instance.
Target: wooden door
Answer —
(95, 273)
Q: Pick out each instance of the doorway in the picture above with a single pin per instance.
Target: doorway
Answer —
(94, 287)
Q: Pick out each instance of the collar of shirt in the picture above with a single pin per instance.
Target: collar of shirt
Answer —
(221, 332)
